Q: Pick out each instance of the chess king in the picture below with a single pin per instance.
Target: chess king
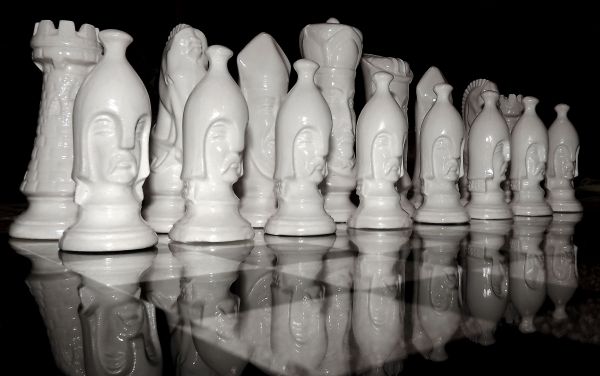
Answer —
(111, 120)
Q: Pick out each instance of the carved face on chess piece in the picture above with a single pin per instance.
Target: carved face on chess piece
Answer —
(309, 155)
(512, 108)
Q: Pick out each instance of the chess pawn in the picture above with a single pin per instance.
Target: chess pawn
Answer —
(489, 142)
(512, 109)
(561, 261)
(382, 133)
(111, 127)
(527, 269)
(529, 149)
(119, 331)
(399, 87)
(183, 65)
(425, 100)
(65, 56)
(214, 123)
(337, 49)
(441, 161)
(302, 144)
(562, 165)
(264, 76)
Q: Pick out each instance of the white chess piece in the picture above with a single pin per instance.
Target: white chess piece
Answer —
(489, 142)
(529, 149)
(183, 65)
(512, 108)
(563, 155)
(381, 142)
(302, 144)
(111, 128)
(264, 75)
(337, 49)
(442, 140)
(214, 123)
(65, 56)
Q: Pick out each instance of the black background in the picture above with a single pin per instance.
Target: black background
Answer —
(539, 49)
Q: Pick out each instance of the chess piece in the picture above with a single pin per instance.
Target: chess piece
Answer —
(183, 65)
(65, 56)
(489, 142)
(111, 127)
(119, 331)
(264, 75)
(472, 105)
(382, 134)
(425, 100)
(512, 109)
(214, 123)
(302, 143)
(529, 149)
(563, 154)
(337, 49)
(399, 87)
(441, 161)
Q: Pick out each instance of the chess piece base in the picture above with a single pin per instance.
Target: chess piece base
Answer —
(563, 201)
(90, 239)
(163, 212)
(378, 213)
(45, 218)
(484, 206)
(442, 209)
(339, 206)
(296, 226)
(530, 209)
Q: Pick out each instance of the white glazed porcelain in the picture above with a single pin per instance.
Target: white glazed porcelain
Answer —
(381, 143)
(562, 166)
(111, 127)
(472, 105)
(442, 140)
(337, 49)
(529, 149)
(65, 56)
(425, 100)
(214, 124)
(183, 65)
(301, 146)
(512, 108)
(264, 76)
(489, 143)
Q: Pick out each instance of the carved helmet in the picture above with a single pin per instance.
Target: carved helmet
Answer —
(562, 134)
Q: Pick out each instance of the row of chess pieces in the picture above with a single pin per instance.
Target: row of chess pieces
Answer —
(295, 150)
(286, 287)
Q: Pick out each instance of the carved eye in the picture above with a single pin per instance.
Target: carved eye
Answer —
(104, 126)
(217, 133)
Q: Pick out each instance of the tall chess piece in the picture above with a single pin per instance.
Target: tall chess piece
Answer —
(183, 65)
(382, 134)
(337, 49)
(111, 120)
(472, 105)
(425, 100)
(442, 140)
(399, 87)
(65, 56)
(489, 142)
(529, 146)
(214, 123)
(512, 109)
(264, 76)
(563, 155)
(302, 144)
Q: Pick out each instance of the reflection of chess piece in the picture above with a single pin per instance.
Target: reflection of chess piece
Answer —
(527, 269)
(65, 56)
(563, 156)
(54, 288)
(298, 331)
(183, 65)
(302, 143)
(337, 49)
(382, 132)
(438, 307)
(214, 123)
(561, 261)
(485, 279)
(399, 87)
(529, 149)
(425, 100)
(441, 161)
(378, 305)
(111, 127)
(264, 75)
(512, 109)
(118, 329)
(489, 142)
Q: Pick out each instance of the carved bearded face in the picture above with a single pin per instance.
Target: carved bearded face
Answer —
(445, 163)
(535, 160)
(500, 160)
(223, 160)
(341, 103)
(309, 158)
(387, 158)
(564, 166)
